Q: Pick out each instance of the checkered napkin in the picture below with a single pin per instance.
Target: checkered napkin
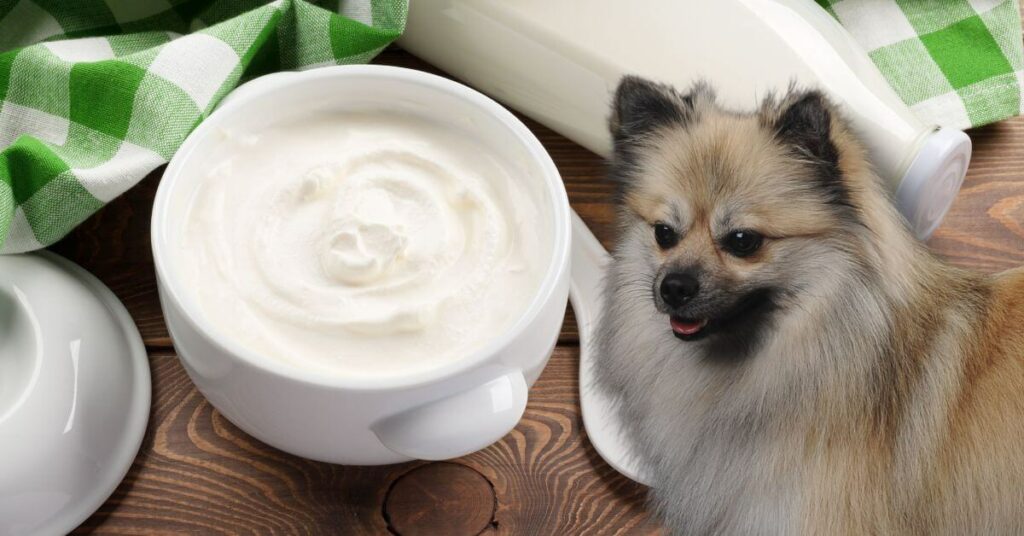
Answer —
(956, 63)
(83, 118)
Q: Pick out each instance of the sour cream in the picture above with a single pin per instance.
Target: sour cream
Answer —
(362, 244)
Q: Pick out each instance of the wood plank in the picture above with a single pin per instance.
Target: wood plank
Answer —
(465, 504)
(985, 227)
(197, 472)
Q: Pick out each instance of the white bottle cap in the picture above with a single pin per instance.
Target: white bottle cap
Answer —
(933, 180)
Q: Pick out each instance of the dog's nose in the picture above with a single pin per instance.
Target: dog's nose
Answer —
(677, 288)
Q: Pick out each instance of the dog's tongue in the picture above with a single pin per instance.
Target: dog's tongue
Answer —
(687, 327)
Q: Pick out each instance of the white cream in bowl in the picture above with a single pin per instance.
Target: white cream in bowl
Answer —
(362, 244)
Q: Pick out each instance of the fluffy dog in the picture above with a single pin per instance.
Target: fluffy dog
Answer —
(786, 357)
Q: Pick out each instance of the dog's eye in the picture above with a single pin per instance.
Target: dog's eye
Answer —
(665, 235)
(742, 243)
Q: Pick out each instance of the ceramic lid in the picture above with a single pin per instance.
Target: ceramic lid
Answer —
(74, 394)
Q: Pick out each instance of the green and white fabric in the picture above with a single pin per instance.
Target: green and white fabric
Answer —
(956, 63)
(96, 94)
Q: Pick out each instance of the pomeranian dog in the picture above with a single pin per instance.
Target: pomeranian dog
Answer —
(786, 357)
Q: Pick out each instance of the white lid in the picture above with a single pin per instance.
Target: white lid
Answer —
(74, 394)
(933, 180)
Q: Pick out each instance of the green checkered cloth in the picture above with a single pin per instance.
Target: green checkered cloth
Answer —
(95, 94)
(956, 63)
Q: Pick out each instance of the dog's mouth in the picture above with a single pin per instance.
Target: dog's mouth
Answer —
(742, 319)
(688, 329)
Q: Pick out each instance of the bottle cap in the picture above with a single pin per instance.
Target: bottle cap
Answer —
(933, 180)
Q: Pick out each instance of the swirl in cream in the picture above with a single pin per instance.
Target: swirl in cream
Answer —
(362, 244)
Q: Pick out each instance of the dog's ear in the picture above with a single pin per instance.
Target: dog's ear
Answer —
(640, 106)
(804, 122)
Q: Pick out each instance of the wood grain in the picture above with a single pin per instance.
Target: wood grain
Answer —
(416, 506)
(197, 473)
(984, 229)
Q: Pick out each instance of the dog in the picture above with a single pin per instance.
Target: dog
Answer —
(785, 356)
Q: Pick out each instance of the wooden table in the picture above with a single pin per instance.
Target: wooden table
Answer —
(198, 473)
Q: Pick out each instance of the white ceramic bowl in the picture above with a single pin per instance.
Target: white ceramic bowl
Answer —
(443, 413)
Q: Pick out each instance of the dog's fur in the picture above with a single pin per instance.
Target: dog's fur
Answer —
(851, 382)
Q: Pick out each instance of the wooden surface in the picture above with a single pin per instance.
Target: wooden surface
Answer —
(197, 473)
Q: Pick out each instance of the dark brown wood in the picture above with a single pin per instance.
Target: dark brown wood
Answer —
(985, 228)
(198, 473)
(417, 504)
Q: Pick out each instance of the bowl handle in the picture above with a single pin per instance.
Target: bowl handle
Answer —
(459, 424)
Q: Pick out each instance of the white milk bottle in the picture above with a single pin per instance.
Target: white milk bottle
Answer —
(559, 61)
